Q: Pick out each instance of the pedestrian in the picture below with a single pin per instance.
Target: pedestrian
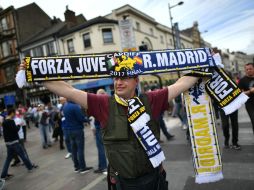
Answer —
(58, 129)
(43, 122)
(11, 138)
(1, 123)
(246, 84)
(163, 127)
(74, 130)
(225, 126)
(130, 166)
(180, 111)
(67, 140)
(21, 115)
(96, 127)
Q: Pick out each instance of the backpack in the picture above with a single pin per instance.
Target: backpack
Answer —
(44, 118)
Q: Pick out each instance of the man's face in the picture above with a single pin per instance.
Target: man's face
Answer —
(249, 70)
(125, 86)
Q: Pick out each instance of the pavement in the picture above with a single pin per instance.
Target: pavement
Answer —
(55, 172)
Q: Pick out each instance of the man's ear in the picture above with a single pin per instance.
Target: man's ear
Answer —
(137, 80)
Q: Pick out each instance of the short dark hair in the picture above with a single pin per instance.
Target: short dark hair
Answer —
(10, 111)
(249, 64)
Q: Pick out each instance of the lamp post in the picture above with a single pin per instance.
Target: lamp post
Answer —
(171, 20)
(172, 28)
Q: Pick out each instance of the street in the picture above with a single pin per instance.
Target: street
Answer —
(55, 172)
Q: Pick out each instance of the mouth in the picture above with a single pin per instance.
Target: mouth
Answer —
(119, 88)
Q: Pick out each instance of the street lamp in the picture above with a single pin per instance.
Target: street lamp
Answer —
(172, 29)
(171, 20)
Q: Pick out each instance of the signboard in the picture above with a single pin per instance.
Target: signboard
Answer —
(127, 35)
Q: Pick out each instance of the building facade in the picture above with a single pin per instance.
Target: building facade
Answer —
(16, 26)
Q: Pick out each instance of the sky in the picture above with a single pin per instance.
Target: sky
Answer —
(226, 24)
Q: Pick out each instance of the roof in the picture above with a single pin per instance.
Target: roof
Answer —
(91, 22)
(50, 31)
(131, 9)
(61, 29)
(30, 20)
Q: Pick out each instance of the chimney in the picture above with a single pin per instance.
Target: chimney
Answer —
(54, 20)
(70, 17)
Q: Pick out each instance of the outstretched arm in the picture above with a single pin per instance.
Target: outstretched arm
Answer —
(181, 85)
(64, 89)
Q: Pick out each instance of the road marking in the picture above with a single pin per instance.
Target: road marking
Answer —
(94, 182)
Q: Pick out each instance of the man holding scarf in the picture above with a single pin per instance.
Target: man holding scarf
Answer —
(130, 128)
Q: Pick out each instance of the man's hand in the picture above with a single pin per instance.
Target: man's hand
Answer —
(22, 66)
(251, 90)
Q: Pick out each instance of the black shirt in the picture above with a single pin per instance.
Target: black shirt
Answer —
(10, 130)
(245, 84)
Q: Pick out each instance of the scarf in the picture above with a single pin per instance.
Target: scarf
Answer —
(204, 141)
(138, 119)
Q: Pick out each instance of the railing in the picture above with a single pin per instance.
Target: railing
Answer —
(7, 32)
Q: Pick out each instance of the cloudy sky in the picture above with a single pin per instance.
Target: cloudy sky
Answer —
(226, 24)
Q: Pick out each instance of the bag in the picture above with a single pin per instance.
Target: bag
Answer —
(162, 182)
(44, 118)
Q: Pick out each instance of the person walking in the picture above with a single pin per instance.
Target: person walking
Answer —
(96, 127)
(11, 138)
(225, 126)
(163, 127)
(43, 121)
(74, 130)
(67, 140)
(246, 84)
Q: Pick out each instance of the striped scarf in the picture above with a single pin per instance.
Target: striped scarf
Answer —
(138, 119)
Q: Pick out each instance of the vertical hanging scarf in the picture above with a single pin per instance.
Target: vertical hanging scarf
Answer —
(220, 88)
(138, 119)
(205, 147)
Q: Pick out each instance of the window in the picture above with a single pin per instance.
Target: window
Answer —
(50, 48)
(38, 51)
(151, 31)
(107, 35)
(3, 24)
(162, 40)
(10, 73)
(70, 46)
(6, 48)
(87, 40)
(138, 26)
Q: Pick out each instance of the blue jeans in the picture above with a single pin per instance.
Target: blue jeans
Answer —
(45, 135)
(67, 141)
(181, 113)
(77, 147)
(100, 147)
(11, 150)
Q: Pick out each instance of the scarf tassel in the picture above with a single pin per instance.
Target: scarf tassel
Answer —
(207, 178)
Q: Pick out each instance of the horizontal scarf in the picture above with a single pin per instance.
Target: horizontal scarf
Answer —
(138, 119)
